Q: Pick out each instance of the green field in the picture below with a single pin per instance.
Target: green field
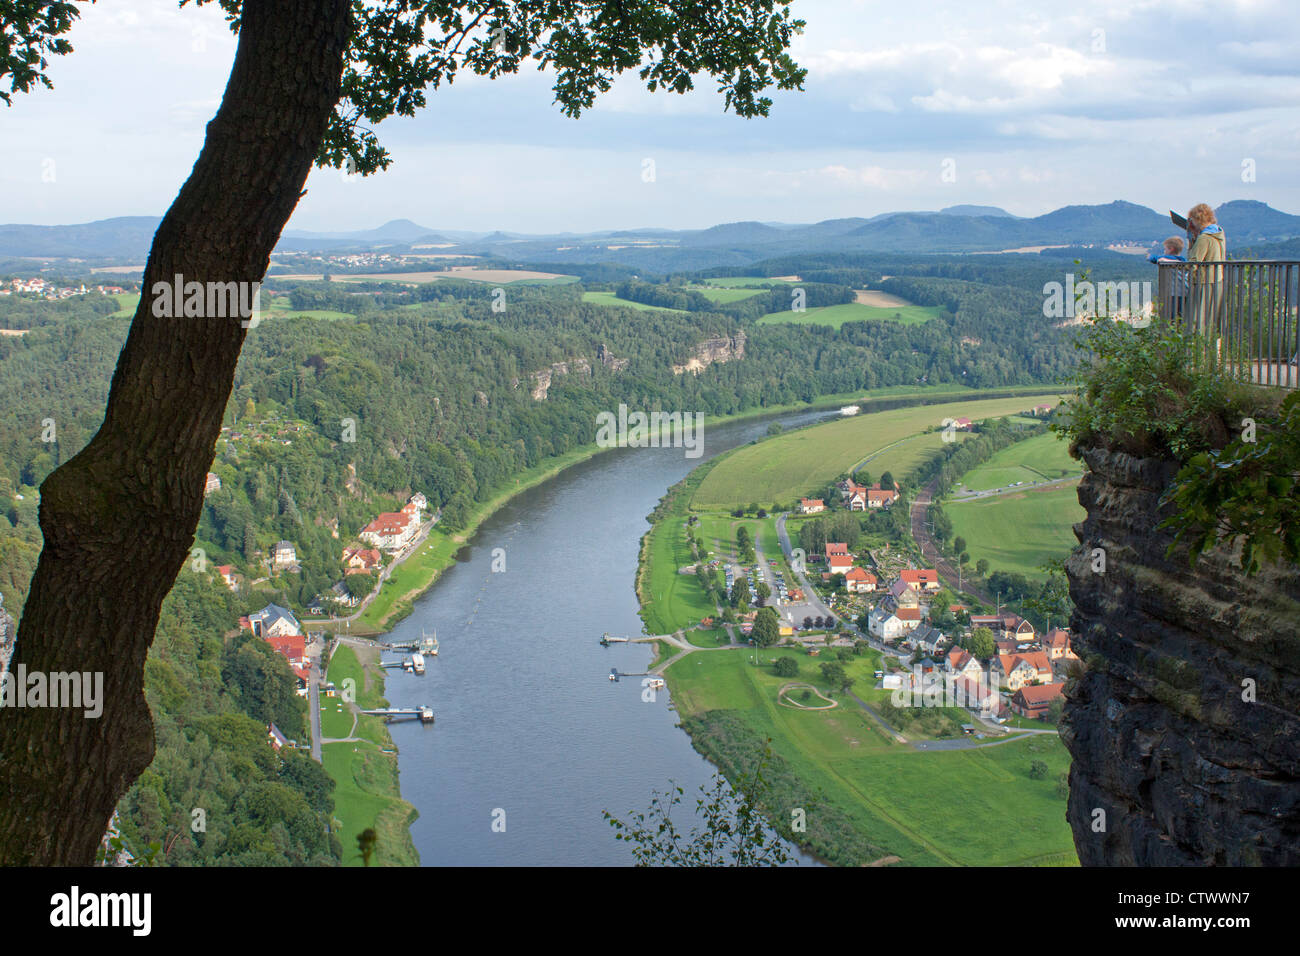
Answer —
(366, 791)
(902, 459)
(741, 282)
(609, 298)
(974, 807)
(837, 315)
(1042, 458)
(725, 295)
(799, 462)
(1018, 532)
(273, 307)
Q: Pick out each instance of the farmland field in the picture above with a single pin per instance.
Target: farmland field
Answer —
(502, 276)
(1042, 458)
(1018, 532)
(793, 464)
(837, 315)
(723, 296)
(609, 298)
(731, 282)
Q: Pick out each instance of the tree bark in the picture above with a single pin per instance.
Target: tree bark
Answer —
(119, 518)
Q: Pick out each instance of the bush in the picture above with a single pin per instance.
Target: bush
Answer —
(1147, 393)
(786, 667)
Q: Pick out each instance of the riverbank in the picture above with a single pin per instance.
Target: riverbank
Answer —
(359, 755)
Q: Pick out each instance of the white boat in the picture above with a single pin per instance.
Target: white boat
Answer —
(429, 645)
(417, 663)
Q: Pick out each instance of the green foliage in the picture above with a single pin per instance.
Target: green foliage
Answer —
(786, 667)
(31, 32)
(400, 50)
(260, 807)
(1038, 769)
(733, 831)
(836, 676)
(1246, 491)
(767, 627)
(982, 643)
(1148, 391)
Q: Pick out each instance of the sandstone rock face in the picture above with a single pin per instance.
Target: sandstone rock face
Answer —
(542, 379)
(1188, 765)
(608, 359)
(719, 349)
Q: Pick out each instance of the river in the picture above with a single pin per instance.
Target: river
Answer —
(532, 741)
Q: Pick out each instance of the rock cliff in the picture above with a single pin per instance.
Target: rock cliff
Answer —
(1182, 717)
(718, 349)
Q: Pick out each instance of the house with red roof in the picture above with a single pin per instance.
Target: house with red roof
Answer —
(1025, 667)
(360, 560)
(1033, 700)
(962, 663)
(838, 558)
(924, 579)
(811, 506)
(391, 531)
(859, 581)
(889, 625)
(292, 647)
(1057, 645)
(228, 577)
(878, 497)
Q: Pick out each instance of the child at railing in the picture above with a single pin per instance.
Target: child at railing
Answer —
(1173, 249)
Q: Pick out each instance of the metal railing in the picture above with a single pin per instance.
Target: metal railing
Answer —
(1244, 313)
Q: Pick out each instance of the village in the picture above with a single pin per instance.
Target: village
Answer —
(936, 651)
(40, 289)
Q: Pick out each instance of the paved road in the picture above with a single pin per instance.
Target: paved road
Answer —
(811, 596)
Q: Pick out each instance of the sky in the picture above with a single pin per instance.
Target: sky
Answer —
(1024, 105)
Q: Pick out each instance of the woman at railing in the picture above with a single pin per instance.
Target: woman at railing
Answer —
(1209, 244)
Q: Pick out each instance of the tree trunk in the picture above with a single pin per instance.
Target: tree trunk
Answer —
(119, 518)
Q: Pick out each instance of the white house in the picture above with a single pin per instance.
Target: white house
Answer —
(284, 555)
(274, 621)
(889, 626)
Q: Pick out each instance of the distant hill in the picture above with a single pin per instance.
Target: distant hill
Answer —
(1246, 220)
(960, 228)
(968, 210)
(123, 237)
(736, 232)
